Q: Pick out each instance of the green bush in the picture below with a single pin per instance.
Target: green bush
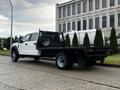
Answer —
(98, 41)
(113, 41)
(75, 40)
(86, 42)
(6, 43)
(67, 40)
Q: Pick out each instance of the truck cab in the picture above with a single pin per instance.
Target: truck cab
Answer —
(25, 47)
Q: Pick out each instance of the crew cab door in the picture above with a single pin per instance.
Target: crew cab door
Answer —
(28, 46)
(32, 44)
(23, 45)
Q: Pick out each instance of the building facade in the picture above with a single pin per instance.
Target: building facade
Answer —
(77, 15)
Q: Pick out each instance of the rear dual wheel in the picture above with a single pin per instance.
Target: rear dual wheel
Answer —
(85, 63)
(63, 61)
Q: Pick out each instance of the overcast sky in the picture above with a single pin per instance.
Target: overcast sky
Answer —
(29, 16)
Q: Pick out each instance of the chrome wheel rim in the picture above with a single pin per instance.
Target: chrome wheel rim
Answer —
(61, 61)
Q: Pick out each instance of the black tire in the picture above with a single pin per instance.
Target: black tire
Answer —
(91, 63)
(102, 61)
(63, 61)
(82, 62)
(14, 55)
(36, 59)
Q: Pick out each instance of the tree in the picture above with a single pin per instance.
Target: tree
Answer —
(67, 40)
(75, 40)
(101, 39)
(113, 41)
(7, 42)
(98, 41)
(86, 42)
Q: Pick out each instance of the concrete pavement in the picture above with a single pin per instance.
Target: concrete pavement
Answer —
(28, 75)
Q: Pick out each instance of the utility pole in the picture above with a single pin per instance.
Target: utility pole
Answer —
(11, 23)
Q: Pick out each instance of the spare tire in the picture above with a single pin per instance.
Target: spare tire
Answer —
(46, 42)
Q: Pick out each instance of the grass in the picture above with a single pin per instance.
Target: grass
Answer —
(114, 59)
(5, 53)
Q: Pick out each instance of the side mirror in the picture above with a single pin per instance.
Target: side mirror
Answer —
(21, 40)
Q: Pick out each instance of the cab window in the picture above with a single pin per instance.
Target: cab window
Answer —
(26, 38)
(34, 36)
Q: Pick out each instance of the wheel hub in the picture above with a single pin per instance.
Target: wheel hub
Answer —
(61, 61)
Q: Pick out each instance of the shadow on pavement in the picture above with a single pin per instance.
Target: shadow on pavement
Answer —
(51, 64)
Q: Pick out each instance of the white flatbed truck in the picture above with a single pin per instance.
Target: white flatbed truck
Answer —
(51, 44)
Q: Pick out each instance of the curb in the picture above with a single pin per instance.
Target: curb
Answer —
(109, 65)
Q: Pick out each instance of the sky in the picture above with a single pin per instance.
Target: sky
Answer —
(29, 16)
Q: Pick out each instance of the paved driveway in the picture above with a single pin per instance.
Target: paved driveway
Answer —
(28, 75)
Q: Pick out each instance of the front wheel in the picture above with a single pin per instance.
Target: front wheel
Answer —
(63, 61)
(14, 56)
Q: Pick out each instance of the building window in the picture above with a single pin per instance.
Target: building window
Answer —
(90, 5)
(64, 12)
(118, 1)
(73, 9)
(97, 4)
(112, 3)
(73, 26)
(104, 21)
(68, 11)
(79, 25)
(64, 27)
(60, 28)
(90, 23)
(104, 3)
(112, 20)
(97, 22)
(68, 27)
(59, 12)
(84, 6)
(118, 19)
(84, 24)
(79, 8)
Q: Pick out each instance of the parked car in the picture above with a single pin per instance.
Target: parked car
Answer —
(118, 39)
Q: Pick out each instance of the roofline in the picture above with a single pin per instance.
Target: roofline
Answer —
(66, 3)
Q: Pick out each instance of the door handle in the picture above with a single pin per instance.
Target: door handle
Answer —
(25, 43)
(34, 43)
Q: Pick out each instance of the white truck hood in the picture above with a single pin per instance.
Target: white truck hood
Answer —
(15, 44)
